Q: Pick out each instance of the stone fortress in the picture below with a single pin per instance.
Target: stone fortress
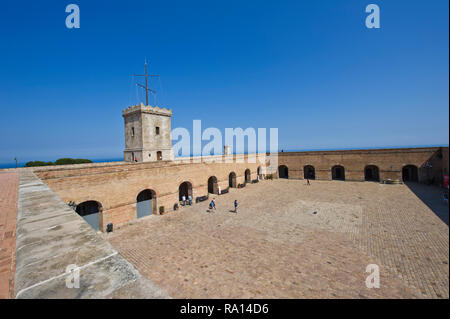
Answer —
(152, 181)
(54, 216)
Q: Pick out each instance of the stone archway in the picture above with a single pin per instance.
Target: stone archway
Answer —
(283, 171)
(309, 172)
(146, 203)
(212, 185)
(338, 173)
(232, 180)
(248, 176)
(185, 189)
(372, 173)
(410, 173)
(90, 211)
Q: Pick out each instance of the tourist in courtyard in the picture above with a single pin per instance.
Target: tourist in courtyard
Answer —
(307, 182)
(183, 199)
(235, 205)
(190, 200)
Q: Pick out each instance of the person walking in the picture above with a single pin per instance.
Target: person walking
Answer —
(183, 199)
(235, 206)
(190, 200)
(307, 182)
(214, 204)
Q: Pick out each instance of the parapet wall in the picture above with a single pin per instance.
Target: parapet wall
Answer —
(52, 238)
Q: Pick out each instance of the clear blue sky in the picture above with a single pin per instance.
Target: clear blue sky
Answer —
(310, 68)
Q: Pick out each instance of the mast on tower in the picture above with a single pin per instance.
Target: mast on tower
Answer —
(147, 89)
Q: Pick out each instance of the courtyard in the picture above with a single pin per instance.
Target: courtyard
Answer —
(290, 240)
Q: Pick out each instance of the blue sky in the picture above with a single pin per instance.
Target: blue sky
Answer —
(310, 68)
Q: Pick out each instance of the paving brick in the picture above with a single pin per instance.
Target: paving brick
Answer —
(9, 182)
(275, 247)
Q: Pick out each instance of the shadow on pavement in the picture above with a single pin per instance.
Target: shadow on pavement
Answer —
(432, 196)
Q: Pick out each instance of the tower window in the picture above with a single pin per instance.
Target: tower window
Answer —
(157, 130)
(132, 131)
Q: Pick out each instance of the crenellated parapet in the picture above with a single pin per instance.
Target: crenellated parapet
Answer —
(147, 109)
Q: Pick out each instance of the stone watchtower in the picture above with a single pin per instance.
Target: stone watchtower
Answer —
(147, 134)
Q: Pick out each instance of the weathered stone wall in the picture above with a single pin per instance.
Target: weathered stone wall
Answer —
(389, 162)
(116, 185)
(141, 138)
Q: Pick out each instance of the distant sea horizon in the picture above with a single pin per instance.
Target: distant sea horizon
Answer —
(120, 159)
(95, 160)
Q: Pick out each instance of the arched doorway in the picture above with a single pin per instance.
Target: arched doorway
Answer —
(90, 211)
(309, 172)
(185, 189)
(212, 185)
(338, 173)
(283, 171)
(248, 176)
(232, 180)
(371, 173)
(145, 203)
(410, 173)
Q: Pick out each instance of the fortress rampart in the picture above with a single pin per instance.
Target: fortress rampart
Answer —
(116, 186)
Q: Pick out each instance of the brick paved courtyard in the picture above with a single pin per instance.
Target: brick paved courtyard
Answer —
(290, 240)
(8, 215)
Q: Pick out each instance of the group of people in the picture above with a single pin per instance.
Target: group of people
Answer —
(212, 205)
(183, 200)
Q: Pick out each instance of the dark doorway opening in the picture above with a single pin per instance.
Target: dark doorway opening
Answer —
(248, 176)
(410, 173)
(338, 173)
(309, 172)
(184, 189)
(212, 185)
(371, 173)
(232, 180)
(283, 171)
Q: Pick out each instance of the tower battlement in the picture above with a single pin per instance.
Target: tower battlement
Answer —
(146, 109)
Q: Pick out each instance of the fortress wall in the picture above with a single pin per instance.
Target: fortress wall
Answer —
(116, 186)
(389, 161)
